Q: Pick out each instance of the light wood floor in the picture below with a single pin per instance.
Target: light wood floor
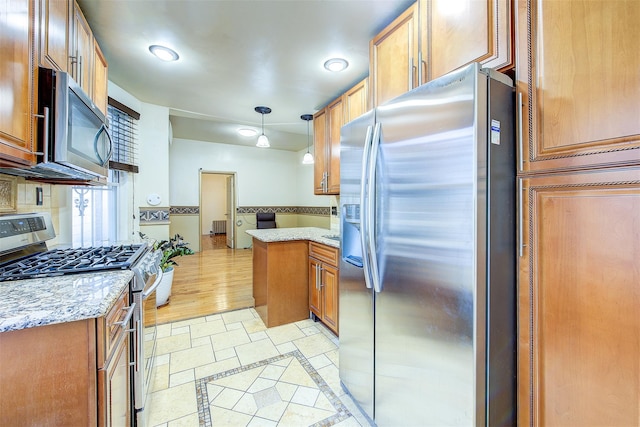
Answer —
(215, 280)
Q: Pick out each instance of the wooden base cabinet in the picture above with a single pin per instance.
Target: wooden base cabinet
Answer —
(579, 299)
(280, 286)
(68, 374)
(323, 284)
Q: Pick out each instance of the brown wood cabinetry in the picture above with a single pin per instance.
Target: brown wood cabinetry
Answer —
(319, 150)
(434, 37)
(326, 146)
(81, 54)
(356, 101)
(17, 83)
(579, 299)
(280, 286)
(454, 34)
(326, 136)
(100, 78)
(71, 374)
(323, 284)
(579, 168)
(393, 58)
(54, 34)
(579, 86)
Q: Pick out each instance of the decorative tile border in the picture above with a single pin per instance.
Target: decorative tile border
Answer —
(309, 210)
(154, 215)
(202, 395)
(184, 210)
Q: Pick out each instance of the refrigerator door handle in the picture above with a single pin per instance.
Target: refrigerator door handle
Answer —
(370, 211)
(363, 215)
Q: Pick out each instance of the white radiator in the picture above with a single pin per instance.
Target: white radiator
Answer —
(219, 227)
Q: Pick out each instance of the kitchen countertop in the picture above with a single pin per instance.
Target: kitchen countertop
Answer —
(38, 302)
(313, 234)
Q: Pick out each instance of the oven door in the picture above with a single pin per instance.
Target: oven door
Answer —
(145, 346)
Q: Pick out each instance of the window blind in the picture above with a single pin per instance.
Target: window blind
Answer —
(123, 127)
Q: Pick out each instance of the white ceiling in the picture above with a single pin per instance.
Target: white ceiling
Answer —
(236, 55)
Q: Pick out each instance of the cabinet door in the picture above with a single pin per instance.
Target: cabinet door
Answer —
(16, 83)
(336, 120)
(330, 296)
(315, 293)
(356, 101)
(577, 69)
(100, 78)
(393, 56)
(579, 299)
(457, 33)
(54, 33)
(319, 151)
(82, 51)
(114, 382)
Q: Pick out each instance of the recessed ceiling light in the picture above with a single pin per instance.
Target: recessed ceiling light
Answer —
(164, 53)
(247, 132)
(336, 64)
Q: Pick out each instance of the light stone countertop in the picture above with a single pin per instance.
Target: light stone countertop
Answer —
(38, 302)
(313, 234)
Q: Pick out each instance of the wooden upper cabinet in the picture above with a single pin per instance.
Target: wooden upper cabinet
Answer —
(100, 78)
(579, 299)
(17, 83)
(54, 33)
(319, 151)
(82, 49)
(393, 58)
(356, 101)
(326, 146)
(335, 113)
(456, 33)
(580, 88)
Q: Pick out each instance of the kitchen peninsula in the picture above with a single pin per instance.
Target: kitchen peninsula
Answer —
(281, 271)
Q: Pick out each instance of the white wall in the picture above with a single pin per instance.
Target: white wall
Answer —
(265, 177)
(153, 161)
(154, 154)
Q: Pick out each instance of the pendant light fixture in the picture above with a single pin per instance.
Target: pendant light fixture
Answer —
(308, 157)
(263, 141)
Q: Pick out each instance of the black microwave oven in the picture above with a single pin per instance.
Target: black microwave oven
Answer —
(73, 140)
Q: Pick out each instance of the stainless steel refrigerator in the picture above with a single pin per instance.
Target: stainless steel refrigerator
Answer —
(427, 272)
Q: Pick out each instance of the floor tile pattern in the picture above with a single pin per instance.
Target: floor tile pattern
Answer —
(266, 395)
(229, 369)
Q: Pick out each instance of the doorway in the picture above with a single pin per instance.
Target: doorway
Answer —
(218, 206)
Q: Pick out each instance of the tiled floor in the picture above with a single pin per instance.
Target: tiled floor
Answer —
(230, 370)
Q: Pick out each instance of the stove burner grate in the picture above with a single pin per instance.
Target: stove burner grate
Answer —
(57, 262)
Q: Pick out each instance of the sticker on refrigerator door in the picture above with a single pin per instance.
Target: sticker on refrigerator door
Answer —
(495, 132)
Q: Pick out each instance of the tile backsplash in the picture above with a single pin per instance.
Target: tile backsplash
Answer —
(53, 199)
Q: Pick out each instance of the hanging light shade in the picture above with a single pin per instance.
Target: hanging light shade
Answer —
(263, 141)
(308, 157)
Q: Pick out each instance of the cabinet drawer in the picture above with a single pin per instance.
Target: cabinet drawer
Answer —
(110, 327)
(324, 253)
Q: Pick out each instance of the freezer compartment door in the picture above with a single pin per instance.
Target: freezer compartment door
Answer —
(356, 299)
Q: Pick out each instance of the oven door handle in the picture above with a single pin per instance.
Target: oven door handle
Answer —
(153, 287)
(125, 321)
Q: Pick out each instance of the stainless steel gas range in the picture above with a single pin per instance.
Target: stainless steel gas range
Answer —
(24, 255)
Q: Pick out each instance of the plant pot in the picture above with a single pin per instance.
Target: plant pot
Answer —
(163, 291)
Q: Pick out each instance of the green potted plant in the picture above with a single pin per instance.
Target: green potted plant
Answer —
(171, 249)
